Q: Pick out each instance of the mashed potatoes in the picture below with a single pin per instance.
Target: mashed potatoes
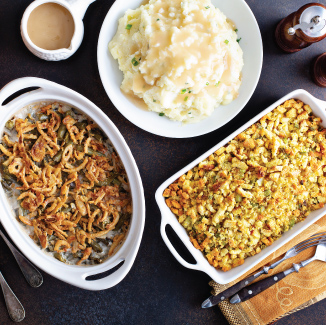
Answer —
(180, 56)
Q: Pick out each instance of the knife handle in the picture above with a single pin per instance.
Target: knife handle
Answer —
(258, 287)
(232, 290)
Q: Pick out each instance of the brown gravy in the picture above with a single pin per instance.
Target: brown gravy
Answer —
(51, 27)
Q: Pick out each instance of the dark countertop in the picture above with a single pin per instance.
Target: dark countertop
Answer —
(157, 290)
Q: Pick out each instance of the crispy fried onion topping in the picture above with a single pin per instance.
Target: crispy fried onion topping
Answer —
(72, 187)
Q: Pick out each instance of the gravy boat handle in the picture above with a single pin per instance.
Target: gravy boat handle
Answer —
(79, 7)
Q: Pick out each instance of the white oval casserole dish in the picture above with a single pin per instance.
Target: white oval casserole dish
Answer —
(168, 218)
(72, 274)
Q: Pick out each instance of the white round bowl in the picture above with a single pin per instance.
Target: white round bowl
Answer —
(251, 44)
(72, 274)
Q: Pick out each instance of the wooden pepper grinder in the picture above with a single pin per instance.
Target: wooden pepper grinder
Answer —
(302, 28)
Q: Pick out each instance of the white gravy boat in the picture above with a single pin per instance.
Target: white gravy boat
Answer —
(77, 9)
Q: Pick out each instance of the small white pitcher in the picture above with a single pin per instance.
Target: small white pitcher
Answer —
(77, 9)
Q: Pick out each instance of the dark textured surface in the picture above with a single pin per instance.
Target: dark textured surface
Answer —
(158, 290)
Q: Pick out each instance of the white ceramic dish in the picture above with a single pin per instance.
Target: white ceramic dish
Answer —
(75, 275)
(168, 218)
(251, 44)
(77, 9)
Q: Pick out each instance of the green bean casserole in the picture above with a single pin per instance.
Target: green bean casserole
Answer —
(70, 188)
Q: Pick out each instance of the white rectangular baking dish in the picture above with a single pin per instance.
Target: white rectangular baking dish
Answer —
(72, 274)
(168, 218)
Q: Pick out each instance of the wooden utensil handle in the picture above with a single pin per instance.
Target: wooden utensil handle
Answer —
(259, 286)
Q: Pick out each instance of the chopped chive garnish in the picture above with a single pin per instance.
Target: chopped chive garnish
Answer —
(183, 91)
(128, 26)
(186, 98)
(189, 113)
(161, 114)
(239, 39)
(134, 62)
(154, 100)
(189, 91)
(236, 30)
(226, 41)
(207, 83)
(157, 19)
(217, 83)
(207, 7)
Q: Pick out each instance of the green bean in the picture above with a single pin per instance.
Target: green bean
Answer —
(93, 207)
(116, 182)
(6, 185)
(68, 144)
(68, 113)
(58, 156)
(67, 137)
(106, 182)
(98, 137)
(92, 152)
(25, 212)
(7, 181)
(8, 177)
(105, 241)
(77, 255)
(124, 217)
(59, 257)
(81, 125)
(42, 117)
(96, 260)
(35, 132)
(97, 248)
(102, 225)
(10, 124)
(61, 132)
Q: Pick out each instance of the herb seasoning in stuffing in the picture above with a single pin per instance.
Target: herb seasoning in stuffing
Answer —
(245, 195)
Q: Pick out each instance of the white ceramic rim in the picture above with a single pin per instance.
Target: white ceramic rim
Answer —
(168, 218)
(162, 126)
(75, 275)
(62, 3)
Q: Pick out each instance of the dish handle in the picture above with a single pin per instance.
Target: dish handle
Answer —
(321, 102)
(174, 252)
(80, 279)
(24, 83)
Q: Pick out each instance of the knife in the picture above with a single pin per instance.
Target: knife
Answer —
(260, 286)
(214, 300)
(311, 241)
